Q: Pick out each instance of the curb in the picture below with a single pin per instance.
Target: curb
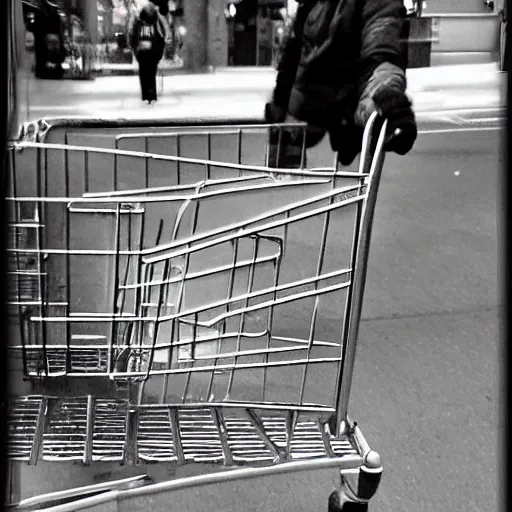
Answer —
(133, 70)
(414, 85)
(205, 70)
(454, 77)
(419, 79)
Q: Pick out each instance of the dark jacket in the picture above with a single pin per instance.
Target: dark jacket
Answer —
(338, 54)
(149, 26)
(163, 6)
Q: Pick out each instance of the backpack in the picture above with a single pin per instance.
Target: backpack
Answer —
(174, 42)
(147, 35)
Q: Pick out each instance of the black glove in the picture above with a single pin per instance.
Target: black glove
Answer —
(284, 148)
(314, 135)
(274, 114)
(397, 109)
(346, 140)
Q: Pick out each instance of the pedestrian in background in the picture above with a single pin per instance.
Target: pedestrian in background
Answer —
(342, 61)
(50, 51)
(147, 40)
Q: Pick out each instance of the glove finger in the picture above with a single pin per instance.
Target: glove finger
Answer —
(313, 136)
(394, 105)
(268, 113)
(402, 143)
(346, 158)
(274, 114)
(347, 143)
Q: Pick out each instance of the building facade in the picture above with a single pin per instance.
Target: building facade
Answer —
(216, 32)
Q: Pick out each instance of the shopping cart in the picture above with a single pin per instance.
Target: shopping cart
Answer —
(187, 324)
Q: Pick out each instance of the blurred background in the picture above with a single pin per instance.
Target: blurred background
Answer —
(83, 38)
(426, 384)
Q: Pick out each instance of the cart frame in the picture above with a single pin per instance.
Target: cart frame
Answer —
(334, 422)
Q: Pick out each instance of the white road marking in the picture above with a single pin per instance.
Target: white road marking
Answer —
(164, 103)
(56, 107)
(458, 111)
(461, 129)
(487, 120)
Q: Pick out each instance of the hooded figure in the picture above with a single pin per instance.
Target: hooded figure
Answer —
(147, 40)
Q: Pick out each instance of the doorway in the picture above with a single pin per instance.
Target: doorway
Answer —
(251, 31)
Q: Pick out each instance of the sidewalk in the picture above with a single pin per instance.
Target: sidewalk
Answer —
(459, 76)
(129, 69)
(242, 92)
(451, 75)
(442, 78)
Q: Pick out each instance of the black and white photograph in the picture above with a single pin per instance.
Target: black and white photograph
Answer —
(254, 255)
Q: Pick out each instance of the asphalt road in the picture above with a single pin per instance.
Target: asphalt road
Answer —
(427, 371)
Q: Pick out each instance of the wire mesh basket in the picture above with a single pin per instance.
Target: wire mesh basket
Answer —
(196, 309)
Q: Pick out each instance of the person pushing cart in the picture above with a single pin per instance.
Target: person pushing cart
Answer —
(342, 61)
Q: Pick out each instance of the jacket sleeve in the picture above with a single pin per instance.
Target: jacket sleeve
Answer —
(134, 34)
(164, 26)
(289, 62)
(162, 32)
(382, 62)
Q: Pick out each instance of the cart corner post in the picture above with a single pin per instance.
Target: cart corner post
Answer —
(371, 163)
(357, 488)
(361, 486)
(370, 475)
(13, 483)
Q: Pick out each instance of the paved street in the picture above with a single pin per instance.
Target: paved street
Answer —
(427, 372)
(426, 383)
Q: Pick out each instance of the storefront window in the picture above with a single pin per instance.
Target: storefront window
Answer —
(253, 31)
(114, 22)
(113, 25)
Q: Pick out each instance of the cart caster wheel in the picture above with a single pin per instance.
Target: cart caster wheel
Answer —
(335, 506)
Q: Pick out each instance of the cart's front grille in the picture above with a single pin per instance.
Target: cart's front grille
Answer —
(72, 429)
(87, 429)
(23, 423)
(220, 289)
(86, 360)
(155, 441)
(200, 438)
(66, 430)
(110, 425)
(25, 273)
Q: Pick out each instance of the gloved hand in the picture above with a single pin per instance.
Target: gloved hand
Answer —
(346, 140)
(274, 114)
(397, 109)
(284, 144)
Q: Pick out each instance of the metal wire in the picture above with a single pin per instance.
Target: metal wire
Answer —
(246, 250)
(223, 280)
